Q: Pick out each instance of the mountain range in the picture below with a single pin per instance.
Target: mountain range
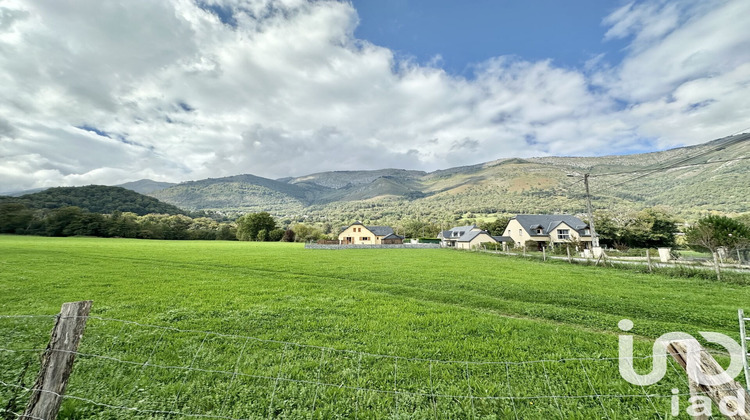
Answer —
(713, 176)
(689, 181)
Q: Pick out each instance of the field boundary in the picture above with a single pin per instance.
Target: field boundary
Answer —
(338, 370)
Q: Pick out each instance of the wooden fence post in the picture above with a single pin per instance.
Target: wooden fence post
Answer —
(567, 248)
(57, 362)
(725, 393)
(648, 259)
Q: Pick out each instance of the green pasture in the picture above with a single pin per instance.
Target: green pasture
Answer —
(271, 330)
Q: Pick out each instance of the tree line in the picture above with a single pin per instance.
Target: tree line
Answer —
(21, 219)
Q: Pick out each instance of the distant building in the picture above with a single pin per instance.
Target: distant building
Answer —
(468, 237)
(359, 234)
(548, 229)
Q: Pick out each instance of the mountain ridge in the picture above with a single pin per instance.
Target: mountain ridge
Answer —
(502, 186)
(677, 178)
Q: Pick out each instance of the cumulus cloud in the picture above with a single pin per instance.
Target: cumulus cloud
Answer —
(108, 92)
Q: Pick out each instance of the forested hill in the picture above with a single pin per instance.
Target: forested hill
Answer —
(96, 199)
(690, 181)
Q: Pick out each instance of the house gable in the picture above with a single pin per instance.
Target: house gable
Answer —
(553, 228)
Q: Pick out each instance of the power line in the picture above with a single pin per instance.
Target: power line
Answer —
(679, 163)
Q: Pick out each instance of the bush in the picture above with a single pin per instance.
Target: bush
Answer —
(289, 236)
(276, 235)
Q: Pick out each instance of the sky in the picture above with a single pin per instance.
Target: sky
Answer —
(105, 92)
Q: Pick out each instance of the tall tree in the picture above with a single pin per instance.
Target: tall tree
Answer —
(496, 227)
(249, 225)
(714, 232)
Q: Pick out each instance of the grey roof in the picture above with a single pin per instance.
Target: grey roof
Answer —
(548, 222)
(456, 232)
(469, 236)
(444, 234)
(503, 238)
(393, 236)
(380, 230)
(376, 230)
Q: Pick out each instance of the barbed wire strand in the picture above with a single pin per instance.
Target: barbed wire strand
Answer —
(358, 388)
(214, 416)
(369, 354)
(279, 378)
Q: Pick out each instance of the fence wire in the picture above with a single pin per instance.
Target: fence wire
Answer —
(164, 371)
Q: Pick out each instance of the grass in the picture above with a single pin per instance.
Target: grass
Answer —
(328, 323)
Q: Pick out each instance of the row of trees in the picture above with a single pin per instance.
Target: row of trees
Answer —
(649, 228)
(19, 219)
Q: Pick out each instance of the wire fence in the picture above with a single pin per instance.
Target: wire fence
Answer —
(128, 369)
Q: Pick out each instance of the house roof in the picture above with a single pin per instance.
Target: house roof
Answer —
(469, 236)
(456, 232)
(393, 236)
(380, 230)
(376, 230)
(503, 238)
(444, 234)
(548, 222)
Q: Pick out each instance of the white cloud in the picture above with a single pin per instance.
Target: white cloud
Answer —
(183, 90)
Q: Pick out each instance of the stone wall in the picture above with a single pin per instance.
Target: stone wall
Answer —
(394, 246)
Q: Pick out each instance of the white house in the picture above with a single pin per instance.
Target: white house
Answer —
(468, 237)
(548, 229)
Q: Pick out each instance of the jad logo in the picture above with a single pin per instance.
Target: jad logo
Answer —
(700, 405)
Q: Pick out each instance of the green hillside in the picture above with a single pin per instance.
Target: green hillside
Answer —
(146, 186)
(96, 199)
(702, 178)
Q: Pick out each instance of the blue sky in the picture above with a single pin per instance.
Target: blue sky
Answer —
(108, 92)
(465, 33)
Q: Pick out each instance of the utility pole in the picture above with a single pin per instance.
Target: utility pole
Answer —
(594, 238)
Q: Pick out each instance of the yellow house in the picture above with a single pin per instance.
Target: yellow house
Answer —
(359, 234)
(548, 229)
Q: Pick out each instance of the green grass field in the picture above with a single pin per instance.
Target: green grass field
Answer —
(342, 334)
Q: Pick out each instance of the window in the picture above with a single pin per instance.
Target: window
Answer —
(587, 231)
(364, 238)
(563, 234)
(520, 232)
(539, 231)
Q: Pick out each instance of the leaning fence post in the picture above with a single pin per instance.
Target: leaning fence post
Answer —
(723, 391)
(57, 362)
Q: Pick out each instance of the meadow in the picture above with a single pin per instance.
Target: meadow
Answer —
(186, 329)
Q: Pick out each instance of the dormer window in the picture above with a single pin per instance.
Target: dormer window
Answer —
(587, 231)
(538, 231)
